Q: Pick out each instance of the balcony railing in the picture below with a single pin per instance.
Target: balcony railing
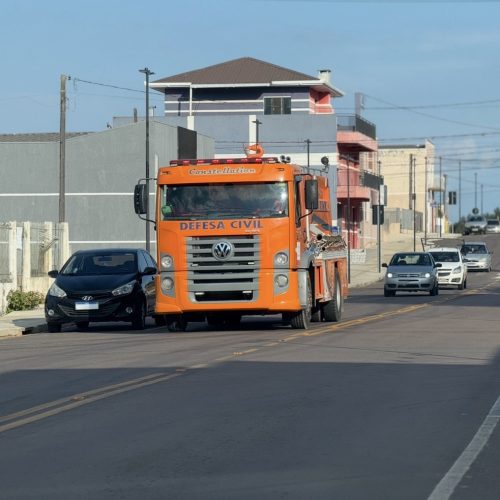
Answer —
(354, 123)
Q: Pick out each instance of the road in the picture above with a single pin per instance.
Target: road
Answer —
(399, 401)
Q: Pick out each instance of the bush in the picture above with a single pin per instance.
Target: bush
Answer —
(20, 301)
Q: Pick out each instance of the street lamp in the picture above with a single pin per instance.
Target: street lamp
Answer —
(148, 73)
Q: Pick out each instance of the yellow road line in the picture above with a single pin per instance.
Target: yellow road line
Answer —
(84, 398)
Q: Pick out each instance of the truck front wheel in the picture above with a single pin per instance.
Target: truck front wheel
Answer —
(302, 319)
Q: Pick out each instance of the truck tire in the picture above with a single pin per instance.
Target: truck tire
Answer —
(301, 320)
(176, 323)
(332, 310)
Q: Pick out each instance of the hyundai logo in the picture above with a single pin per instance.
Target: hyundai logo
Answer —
(87, 298)
(222, 250)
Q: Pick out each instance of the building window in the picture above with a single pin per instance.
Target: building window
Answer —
(277, 105)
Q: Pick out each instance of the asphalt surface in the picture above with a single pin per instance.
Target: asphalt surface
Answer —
(383, 405)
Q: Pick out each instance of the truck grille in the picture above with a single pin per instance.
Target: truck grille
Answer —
(218, 277)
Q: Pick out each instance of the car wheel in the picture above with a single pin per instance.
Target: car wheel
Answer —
(300, 320)
(82, 325)
(434, 291)
(461, 286)
(54, 327)
(332, 310)
(389, 293)
(139, 321)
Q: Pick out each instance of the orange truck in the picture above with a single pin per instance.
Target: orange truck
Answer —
(245, 236)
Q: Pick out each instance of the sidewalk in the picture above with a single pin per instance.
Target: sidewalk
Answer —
(20, 323)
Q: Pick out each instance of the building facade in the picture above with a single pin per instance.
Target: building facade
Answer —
(413, 183)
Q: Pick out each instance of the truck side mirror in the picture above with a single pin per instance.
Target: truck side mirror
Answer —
(140, 199)
(312, 196)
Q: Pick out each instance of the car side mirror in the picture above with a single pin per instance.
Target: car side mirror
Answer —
(54, 273)
(438, 264)
(149, 270)
(384, 264)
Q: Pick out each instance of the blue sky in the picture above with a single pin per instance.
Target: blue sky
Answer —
(427, 68)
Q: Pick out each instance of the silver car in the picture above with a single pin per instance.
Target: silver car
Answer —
(493, 226)
(411, 272)
(477, 256)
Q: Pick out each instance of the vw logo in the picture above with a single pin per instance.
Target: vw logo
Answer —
(87, 298)
(222, 250)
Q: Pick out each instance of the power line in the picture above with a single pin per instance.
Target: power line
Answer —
(428, 115)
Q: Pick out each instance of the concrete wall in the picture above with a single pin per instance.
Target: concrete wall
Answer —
(101, 171)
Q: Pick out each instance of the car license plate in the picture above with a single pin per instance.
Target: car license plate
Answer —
(474, 229)
(86, 306)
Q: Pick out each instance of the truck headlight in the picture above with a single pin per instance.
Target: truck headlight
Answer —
(167, 262)
(281, 259)
(167, 283)
(281, 280)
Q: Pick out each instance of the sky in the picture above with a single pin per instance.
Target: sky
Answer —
(427, 69)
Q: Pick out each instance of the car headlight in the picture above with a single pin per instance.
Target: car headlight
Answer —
(389, 275)
(56, 291)
(124, 289)
(167, 262)
(426, 275)
(457, 270)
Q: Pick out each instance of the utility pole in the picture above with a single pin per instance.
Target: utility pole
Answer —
(308, 144)
(482, 210)
(414, 199)
(148, 73)
(379, 240)
(459, 190)
(410, 184)
(425, 201)
(62, 151)
(475, 189)
(257, 123)
(348, 224)
(445, 211)
(440, 199)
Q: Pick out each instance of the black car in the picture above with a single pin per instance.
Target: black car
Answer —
(102, 285)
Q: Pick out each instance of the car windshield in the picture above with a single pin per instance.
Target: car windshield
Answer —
(101, 263)
(493, 223)
(224, 201)
(476, 219)
(446, 256)
(412, 259)
(474, 249)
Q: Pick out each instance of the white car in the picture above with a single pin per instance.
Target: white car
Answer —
(453, 270)
(493, 226)
(477, 256)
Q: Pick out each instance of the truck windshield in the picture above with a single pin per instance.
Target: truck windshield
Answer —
(224, 201)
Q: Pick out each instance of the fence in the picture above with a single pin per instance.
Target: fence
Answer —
(28, 250)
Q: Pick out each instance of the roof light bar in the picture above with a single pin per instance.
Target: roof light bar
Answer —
(223, 161)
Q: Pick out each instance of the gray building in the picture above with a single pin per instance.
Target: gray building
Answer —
(101, 171)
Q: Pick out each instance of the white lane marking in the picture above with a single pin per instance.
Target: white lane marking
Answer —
(452, 478)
